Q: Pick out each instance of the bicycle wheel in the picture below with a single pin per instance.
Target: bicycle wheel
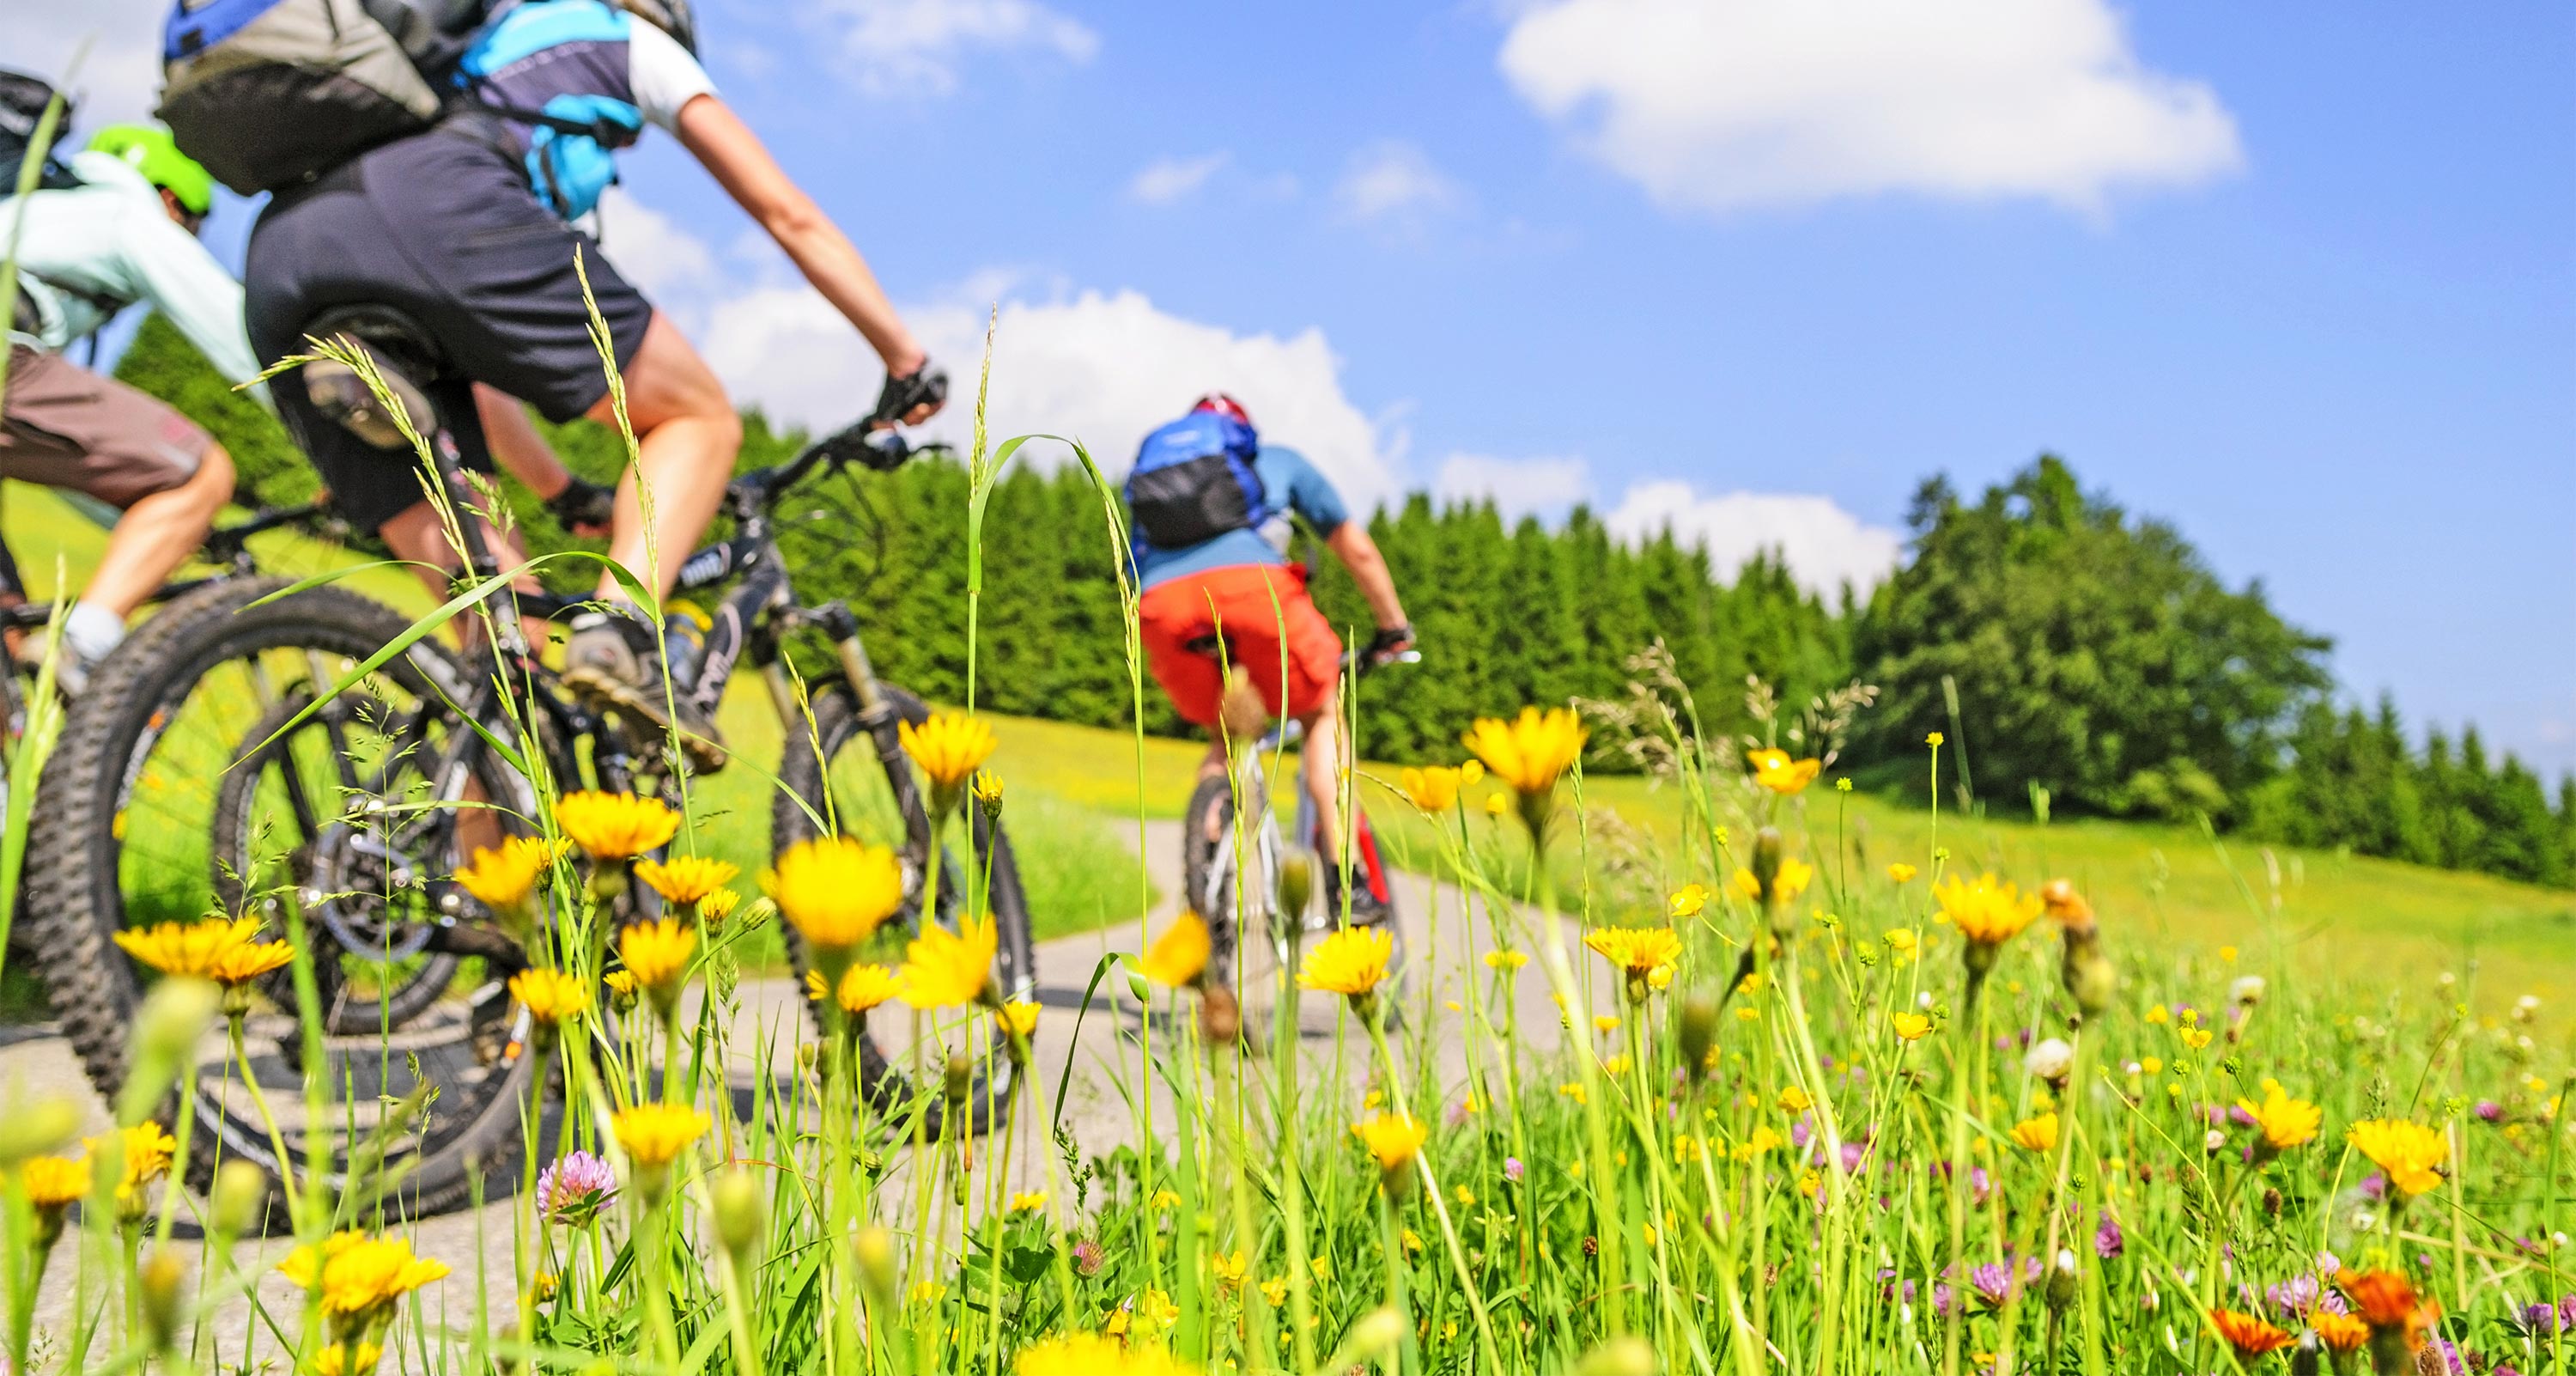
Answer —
(1254, 947)
(344, 819)
(868, 792)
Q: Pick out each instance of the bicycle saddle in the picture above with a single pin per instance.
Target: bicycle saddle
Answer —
(404, 353)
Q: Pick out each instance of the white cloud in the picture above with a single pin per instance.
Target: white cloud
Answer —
(1166, 180)
(1825, 546)
(1718, 104)
(1518, 487)
(901, 47)
(119, 79)
(1394, 183)
(650, 249)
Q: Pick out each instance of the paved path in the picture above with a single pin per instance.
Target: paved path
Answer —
(1103, 1045)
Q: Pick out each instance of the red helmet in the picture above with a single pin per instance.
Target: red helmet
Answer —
(1225, 405)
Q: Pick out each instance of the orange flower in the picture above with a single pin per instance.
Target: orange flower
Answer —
(2387, 1300)
(2250, 1336)
(2339, 1332)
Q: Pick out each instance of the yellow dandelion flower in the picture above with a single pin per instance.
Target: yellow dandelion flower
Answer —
(1635, 951)
(654, 1135)
(550, 996)
(942, 969)
(346, 1359)
(1531, 751)
(948, 747)
(657, 954)
(1393, 1138)
(1178, 958)
(1774, 770)
(862, 987)
(358, 1274)
(715, 905)
(1688, 901)
(189, 950)
(615, 826)
(2409, 1152)
(2036, 1134)
(1988, 911)
(503, 877)
(1018, 1018)
(1912, 1027)
(621, 985)
(1351, 962)
(147, 1157)
(1792, 880)
(2284, 1122)
(1902, 873)
(1435, 789)
(685, 878)
(1089, 1354)
(55, 1181)
(835, 891)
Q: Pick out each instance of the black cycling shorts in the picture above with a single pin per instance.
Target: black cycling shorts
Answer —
(442, 227)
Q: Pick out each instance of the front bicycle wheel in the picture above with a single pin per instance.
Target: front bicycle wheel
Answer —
(850, 775)
(168, 795)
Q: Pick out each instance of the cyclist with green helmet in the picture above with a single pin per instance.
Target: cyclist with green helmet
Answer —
(125, 233)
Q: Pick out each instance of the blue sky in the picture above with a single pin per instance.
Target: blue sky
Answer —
(2300, 278)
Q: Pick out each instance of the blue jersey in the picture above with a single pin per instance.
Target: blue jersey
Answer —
(588, 63)
(1291, 484)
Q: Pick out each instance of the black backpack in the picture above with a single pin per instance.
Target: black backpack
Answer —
(23, 99)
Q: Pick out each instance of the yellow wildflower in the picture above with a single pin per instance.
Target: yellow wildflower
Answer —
(615, 826)
(55, 1181)
(1230, 1267)
(686, 878)
(2157, 1014)
(1987, 912)
(1506, 960)
(1774, 770)
(1635, 951)
(1178, 958)
(654, 1135)
(942, 969)
(1605, 1023)
(715, 905)
(1689, 900)
(1028, 1201)
(2036, 1134)
(147, 1158)
(657, 954)
(1795, 1100)
(1018, 1018)
(502, 878)
(1351, 962)
(862, 987)
(1792, 880)
(1393, 1138)
(2195, 1038)
(2285, 1122)
(2409, 1152)
(193, 950)
(621, 986)
(1532, 751)
(1902, 872)
(1912, 1027)
(948, 747)
(1435, 789)
(358, 1274)
(338, 1359)
(835, 892)
(550, 996)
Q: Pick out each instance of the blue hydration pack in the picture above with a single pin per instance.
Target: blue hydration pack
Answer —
(1194, 481)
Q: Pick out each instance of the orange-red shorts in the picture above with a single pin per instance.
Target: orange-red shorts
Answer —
(1267, 641)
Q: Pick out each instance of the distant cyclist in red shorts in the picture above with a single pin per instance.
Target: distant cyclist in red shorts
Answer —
(1210, 507)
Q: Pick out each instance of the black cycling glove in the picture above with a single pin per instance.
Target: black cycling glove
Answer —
(583, 504)
(926, 385)
(1388, 643)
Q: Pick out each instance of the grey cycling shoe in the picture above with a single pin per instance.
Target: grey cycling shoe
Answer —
(613, 660)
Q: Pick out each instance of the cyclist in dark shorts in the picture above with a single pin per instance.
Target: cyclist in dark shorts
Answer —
(1220, 565)
(466, 228)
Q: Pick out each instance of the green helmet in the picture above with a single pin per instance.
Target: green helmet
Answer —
(150, 150)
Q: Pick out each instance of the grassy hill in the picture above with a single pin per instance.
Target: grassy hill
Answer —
(1075, 790)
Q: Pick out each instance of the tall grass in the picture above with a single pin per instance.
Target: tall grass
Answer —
(1804, 1113)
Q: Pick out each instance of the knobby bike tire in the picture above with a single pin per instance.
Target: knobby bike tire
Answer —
(75, 906)
(837, 727)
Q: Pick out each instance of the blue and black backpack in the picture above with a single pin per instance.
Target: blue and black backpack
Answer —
(1194, 481)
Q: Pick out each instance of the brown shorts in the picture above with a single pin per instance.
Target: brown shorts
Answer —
(66, 426)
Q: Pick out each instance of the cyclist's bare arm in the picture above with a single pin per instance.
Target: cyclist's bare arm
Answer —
(1351, 544)
(740, 163)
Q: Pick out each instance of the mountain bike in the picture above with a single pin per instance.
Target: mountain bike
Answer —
(358, 812)
(1230, 874)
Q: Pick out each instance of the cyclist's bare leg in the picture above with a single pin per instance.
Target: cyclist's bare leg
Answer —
(686, 437)
(1213, 767)
(158, 533)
